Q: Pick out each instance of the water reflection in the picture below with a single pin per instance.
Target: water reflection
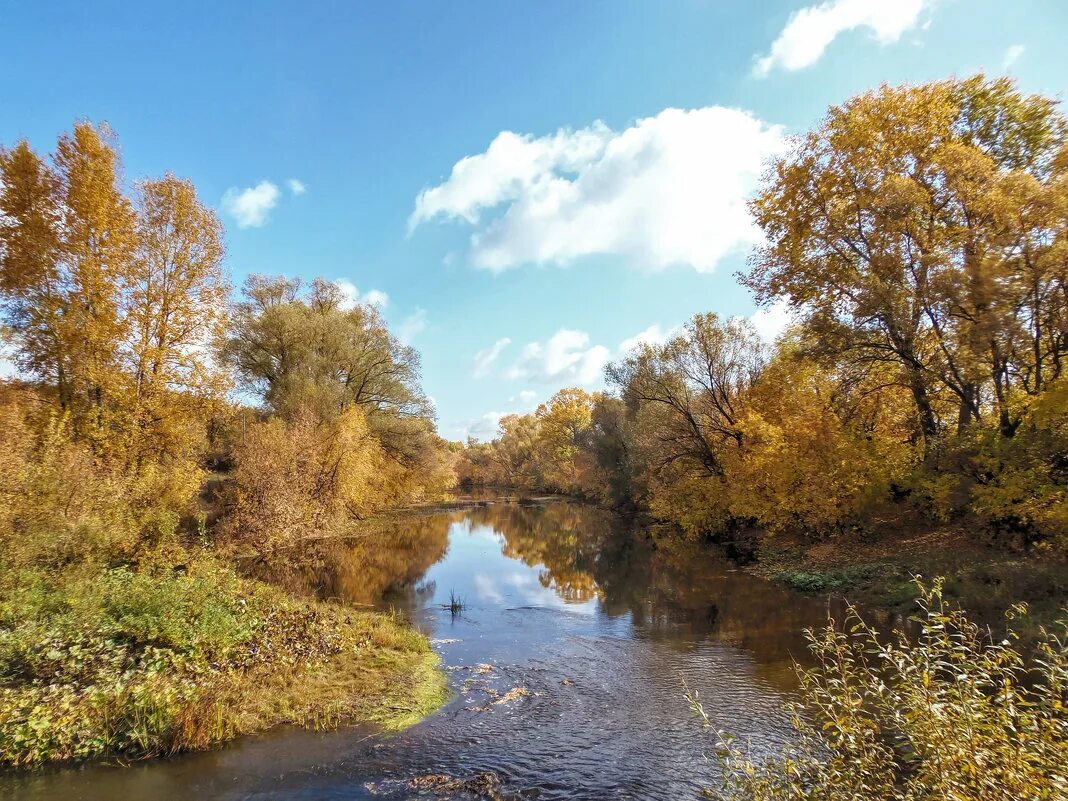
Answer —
(579, 557)
(379, 557)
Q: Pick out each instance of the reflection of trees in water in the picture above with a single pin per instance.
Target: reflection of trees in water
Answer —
(671, 588)
(387, 555)
(551, 536)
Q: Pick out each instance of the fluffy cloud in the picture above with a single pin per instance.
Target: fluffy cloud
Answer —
(525, 397)
(772, 320)
(373, 297)
(810, 30)
(376, 297)
(485, 359)
(411, 326)
(670, 189)
(483, 427)
(566, 356)
(296, 187)
(1012, 55)
(653, 335)
(250, 207)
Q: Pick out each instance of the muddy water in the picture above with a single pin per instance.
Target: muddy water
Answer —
(567, 663)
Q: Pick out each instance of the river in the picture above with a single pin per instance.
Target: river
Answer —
(567, 662)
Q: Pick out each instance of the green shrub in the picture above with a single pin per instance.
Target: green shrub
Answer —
(832, 580)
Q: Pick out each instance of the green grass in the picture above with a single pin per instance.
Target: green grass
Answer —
(983, 583)
(126, 663)
(833, 579)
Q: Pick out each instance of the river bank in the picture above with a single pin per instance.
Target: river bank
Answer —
(876, 568)
(182, 654)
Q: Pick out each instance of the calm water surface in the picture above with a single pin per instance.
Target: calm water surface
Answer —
(596, 624)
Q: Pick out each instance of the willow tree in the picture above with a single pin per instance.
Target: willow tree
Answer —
(697, 384)
(687, 400)
(313, 350)
(924, 227)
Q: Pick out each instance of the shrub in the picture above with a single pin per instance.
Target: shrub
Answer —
(1022, 485)
(949, 715)
(60, 505)
(297, 479)
(309, 477)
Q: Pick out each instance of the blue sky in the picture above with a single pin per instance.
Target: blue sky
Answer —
(613, 209)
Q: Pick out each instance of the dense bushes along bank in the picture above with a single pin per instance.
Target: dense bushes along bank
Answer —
(125, 634)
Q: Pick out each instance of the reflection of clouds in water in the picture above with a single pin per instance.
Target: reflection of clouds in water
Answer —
(534, 593)
(461, 527)
(486, 590)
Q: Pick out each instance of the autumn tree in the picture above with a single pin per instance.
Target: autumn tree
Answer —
(699, 382)
(610, 442)
(175, 305)
(819, 451)
(68, 236)
(919, 226)
(299, 350)
(562, 426)
(317, 361)
(515, 452)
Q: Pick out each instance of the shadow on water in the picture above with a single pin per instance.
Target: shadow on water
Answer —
(567, 664)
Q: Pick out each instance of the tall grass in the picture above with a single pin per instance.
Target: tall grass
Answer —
(951, 714)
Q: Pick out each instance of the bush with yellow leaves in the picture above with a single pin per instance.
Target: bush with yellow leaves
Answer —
(949, 714)
(60, 504)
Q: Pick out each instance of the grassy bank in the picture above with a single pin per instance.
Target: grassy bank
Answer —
(177, 655)
(877, 569)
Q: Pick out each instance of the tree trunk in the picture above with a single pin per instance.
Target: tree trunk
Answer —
(928, 422)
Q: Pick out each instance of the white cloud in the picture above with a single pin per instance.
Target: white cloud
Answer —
(653, 335)
(1012, 55)
(669, 189)
(483, 427)
(526, 398)
(250, 207)
(486, 589)
(772, 320)
(485, 359)
(567, 355)
(8, 368)
(411, 326)
(810, 30)
(352, 296)
(296, 187)
(376, 297)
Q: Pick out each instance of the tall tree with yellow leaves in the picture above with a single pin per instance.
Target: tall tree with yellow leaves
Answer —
(96, 247)
(67, 238)
(33, 285)
(175, 306)
(892, 228)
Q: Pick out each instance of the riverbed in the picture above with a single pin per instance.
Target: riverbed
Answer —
(569, 637)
